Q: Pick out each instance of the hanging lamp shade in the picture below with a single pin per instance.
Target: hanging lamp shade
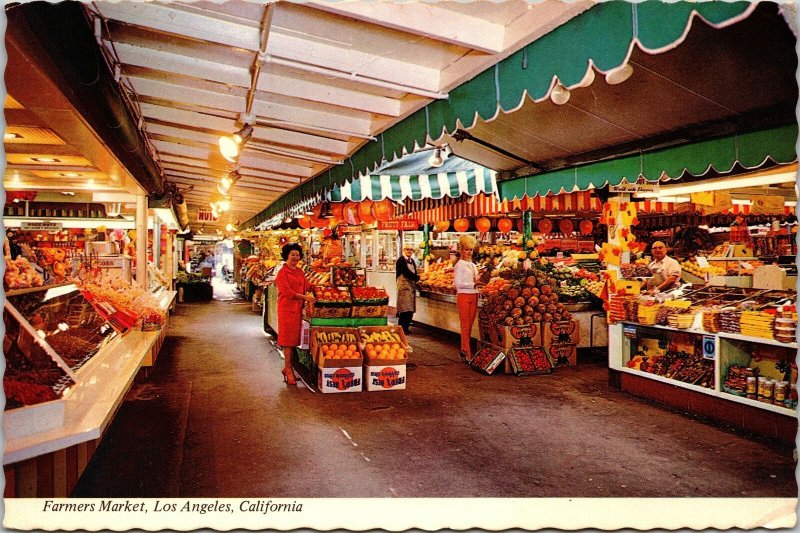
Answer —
(461, 225)
(230, 146)
(483, 224)
(505, 225)
(383, 210)
(337, 210)
(305, 222)
(365, 211)
(351, 215)
(441, 226)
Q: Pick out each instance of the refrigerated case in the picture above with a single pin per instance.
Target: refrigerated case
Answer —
(379, 252)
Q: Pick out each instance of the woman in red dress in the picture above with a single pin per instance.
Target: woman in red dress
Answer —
(292, 288)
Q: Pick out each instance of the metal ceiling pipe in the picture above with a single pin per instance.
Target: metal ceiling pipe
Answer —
(60, 41)
(266, 22)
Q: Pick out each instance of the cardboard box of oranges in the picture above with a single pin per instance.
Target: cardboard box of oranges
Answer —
(383, 345)
(335, 347)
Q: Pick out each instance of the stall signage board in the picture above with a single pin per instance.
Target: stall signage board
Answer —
(205, 215)
(398, 224)
(44, 225)
(634, 187)
(349, 229)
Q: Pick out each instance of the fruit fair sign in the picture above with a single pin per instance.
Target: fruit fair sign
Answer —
(206, 215)
(398, 224)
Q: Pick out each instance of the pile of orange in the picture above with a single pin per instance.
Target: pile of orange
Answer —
(340, 351)
(385, 351)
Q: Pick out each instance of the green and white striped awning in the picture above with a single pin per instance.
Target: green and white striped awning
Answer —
(417, 187)
(411, 177)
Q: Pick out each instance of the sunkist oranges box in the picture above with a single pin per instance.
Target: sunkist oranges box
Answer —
(385, 377)
(331, 346)
(384, 344)
(386, 354)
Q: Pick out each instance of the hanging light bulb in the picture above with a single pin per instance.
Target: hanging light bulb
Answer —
(619, 74)
(228, 181)
(287, 220)
(224, 204)
(560, 94)
(436, 159)
(230, 146)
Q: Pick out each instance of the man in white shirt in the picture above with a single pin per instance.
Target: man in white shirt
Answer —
(666, 270)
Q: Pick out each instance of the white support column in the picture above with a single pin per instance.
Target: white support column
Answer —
(141, 239)
(157, 259)
(168, 266)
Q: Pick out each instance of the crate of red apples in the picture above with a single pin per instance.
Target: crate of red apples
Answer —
(369, 301)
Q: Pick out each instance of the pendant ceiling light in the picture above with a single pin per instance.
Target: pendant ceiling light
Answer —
(230, 146)
(436, 159)
(228, 181)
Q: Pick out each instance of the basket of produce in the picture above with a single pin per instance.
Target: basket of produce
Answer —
(383, 344)
(347, 276)
(338, 346)
(529, 361)
(331, 303)
(369, 301)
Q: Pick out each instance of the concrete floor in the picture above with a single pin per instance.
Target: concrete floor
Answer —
(214, 419)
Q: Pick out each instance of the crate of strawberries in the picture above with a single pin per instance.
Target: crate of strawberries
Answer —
(369, 301)
(331, 302)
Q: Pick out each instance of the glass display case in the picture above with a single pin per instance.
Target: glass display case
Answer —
(65, 320)
(351, 246)
(387, 250)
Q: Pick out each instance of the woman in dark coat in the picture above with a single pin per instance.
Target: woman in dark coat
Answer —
(407, 278)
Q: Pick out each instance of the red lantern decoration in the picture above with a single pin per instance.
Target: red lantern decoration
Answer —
(461, 225)
(483, 224)
(333, 222)
(383, 210)
(505, 225)
(305, 222)
(365, 212)
(442, 225)
(351, 215)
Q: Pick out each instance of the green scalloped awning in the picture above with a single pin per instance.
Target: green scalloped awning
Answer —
(602, 36)
(750, 150)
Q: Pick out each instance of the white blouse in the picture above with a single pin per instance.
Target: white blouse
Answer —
(465, 274)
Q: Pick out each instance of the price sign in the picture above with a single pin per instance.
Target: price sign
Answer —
(709, 347)
(702, 262)
(629, 331)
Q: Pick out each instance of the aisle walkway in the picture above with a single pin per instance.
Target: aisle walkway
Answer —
(214, 419)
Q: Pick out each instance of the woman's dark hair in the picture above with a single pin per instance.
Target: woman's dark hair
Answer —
(288, 248)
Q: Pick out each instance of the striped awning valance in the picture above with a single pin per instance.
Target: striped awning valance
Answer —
(418, 187)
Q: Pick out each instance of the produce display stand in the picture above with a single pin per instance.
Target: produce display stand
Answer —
(333, 322)
(47, 461)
